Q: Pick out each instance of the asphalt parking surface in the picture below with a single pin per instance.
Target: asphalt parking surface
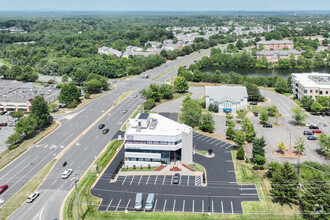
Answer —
(221, 195)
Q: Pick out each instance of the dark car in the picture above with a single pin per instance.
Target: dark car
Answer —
(256, 114)
(327, 114)
(101, 126)
(106, 130)
(317, 131)
(308, 133)
(3, 188)
(323, 114)
(253, 103)
(124, 112)
(3, 124)
(3, 112)
(146, 77)
(267, 126)
(312, 137)
(176, 178)
(313, 127)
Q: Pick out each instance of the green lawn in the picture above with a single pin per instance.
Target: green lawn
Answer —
(123, 96)
(260, 109)
(138, 169)
(201, 152)
(198, 167)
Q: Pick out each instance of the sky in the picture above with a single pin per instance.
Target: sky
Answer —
(166, 5)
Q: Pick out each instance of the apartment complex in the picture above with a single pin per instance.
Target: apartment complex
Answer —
(310, 84)
(228, 98)
(275, 44)
(152, 139)
(274, 55)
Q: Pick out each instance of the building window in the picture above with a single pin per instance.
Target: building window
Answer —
(316, 91)
(321, 92)
(326, 92)
(305, 91)
(311, 91)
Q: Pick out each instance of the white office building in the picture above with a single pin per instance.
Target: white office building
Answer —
(227, 98)
(152, 139)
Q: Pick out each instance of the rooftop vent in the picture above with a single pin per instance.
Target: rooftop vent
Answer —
(153, 123)
(138, 129)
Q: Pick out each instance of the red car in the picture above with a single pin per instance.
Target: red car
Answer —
(317, 131)
(3, 188)
(3, 124)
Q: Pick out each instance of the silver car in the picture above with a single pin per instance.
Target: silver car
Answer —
(32, 197)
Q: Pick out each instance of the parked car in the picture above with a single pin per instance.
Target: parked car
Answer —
(317, 131)
(32, 197)
(3, 124)
(313, 127)
(312, 137)
(323, 114)
(256, 114)
(66, 173)
(3, 188)
(146, 77)
(134, 95)
(176, 178)
(138, 202)
(308, 133)
(327, 114)
(310, 124)
(101, 126)
(106, 130)
(150, 202)
(267, 126)
(253, 103)
(3, 112)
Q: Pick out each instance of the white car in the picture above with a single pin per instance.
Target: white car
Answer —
(66, 173)
(309, 124)
(32, 197)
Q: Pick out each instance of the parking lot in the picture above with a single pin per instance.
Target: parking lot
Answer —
(5, 132)
(221, 195)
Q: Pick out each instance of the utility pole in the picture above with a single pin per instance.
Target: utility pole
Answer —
(76, 181)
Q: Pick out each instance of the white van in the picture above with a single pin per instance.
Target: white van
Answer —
(138, 202)
(150, 202)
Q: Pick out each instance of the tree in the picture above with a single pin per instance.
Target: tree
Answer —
(307, 101)
(248, 128)
(316, 107)
(230, 132)
(207, 123)
(14, 138)
(241, 114)
(299, 145)
(240, 154)
(149, 104)
(39, 111)
(191, 112)
(239, 138)
(166, 91)
(240, 44)
(92, 86)
(214, 108)
(52, 107)
(284, 183)
(259, 160)
(26, 125)
(65, 78)
(281, 147)
(80, 76)
(69, 92)
(299, 115)
(281, 85)
(272, 110)
(180, 84)
(324, 141)
(253, 92)
(324, 101)
(17, 114)
(264, 116)
(258, 147)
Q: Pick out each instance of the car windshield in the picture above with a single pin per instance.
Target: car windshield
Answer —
(148, 204)
(138, 203)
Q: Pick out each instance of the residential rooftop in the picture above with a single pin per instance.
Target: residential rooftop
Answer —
(275, 42)
(222, 93)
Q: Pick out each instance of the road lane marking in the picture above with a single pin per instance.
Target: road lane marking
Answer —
(174, 205)
(229, 160)
(148, 180)
(109, 205)
(247, 188)
(140, 180)
(183, 205)
(222, 207)
(14, 167)
(202, 206)
(124, 180)
(164, 180)
(193, 207)
(230, 171)
(180, 180)
(155, 205)
(118, 205)
(156, 180)
(128, 203)
(232, 209)
(249, 194)
(132, 180)
(213, 141)
(218, 143)
(164, 205)
(172, 180)
(188, 181)
(212, 207)
(228, 151)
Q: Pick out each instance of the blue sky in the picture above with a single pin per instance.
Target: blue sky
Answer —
(165, 5)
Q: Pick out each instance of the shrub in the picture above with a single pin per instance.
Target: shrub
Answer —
(240, 153)
(210, 151)
(149, 104)
(87, 96)
(73, 104)
(203, 104)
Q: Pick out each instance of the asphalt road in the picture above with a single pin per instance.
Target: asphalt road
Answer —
(72, 126)
(221, 195)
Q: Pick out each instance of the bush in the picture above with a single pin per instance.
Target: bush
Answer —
(240, 153)
(87, 96)
(51, 81)
(149, 104)
(210, 151)
(12, 147)
(73, 104)
(203, 104)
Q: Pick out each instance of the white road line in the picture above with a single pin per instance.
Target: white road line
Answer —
(233, 182)
(128, 203)
(174, 205)
(224, 145)
(208, 140)
(118, 205)
(109, 205)
(228, 151)
(193, 210)
(247, 188)
(164, 205)
(172, 180)
(180, 180)
(188, 181)
(198, 137)
(204, 138)
(213, 141)
(148, 180)
(229, 160)
(230, 171)
(212, 207)
(140, 180)
(222, 207)
(184, 201)
(202, 206)
(155, 205)
(14, 167)
(132, 180)
(218, 143)
(54, 182)
(232, 209)
(228, 147)
(156, 180)
(124, 180)
(249, 194)
(164, 180)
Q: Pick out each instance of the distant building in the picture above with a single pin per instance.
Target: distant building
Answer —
(153, 44)
(274, 55)
(310, 84)
(109, 50)
(275, 44)
(227, 98)
(152, 139)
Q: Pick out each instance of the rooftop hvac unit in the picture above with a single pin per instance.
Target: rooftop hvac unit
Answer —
(138, 129)
(153, 123)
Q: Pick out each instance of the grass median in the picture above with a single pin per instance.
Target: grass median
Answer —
(19, 198)
(123, 96)
(8, 156)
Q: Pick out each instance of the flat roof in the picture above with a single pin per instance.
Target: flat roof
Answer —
(321, 80)
(143, 116)
(222, 93)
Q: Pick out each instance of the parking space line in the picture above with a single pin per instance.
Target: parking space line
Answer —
(174, 205)
(124, 180)
(232, 209)
(156, 180)
(193, 206)
(228, 147)
(224, 145)
(222, 207)
(188, 181)
(164, 205)
(212, 207)
(184, 201)
(164, 180)
(214, 141)
(109, 205)
(132, 180)
(118, 205)
(155, 205)
(128, 204)
(249, 194)
(230, 171)
(218, 143)
(140, 180)
(148, 180)
(202, 206)
(228, 151)
(210, 139)
(204, 138)
(172, 180)
(180, 180)
(229, 160)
